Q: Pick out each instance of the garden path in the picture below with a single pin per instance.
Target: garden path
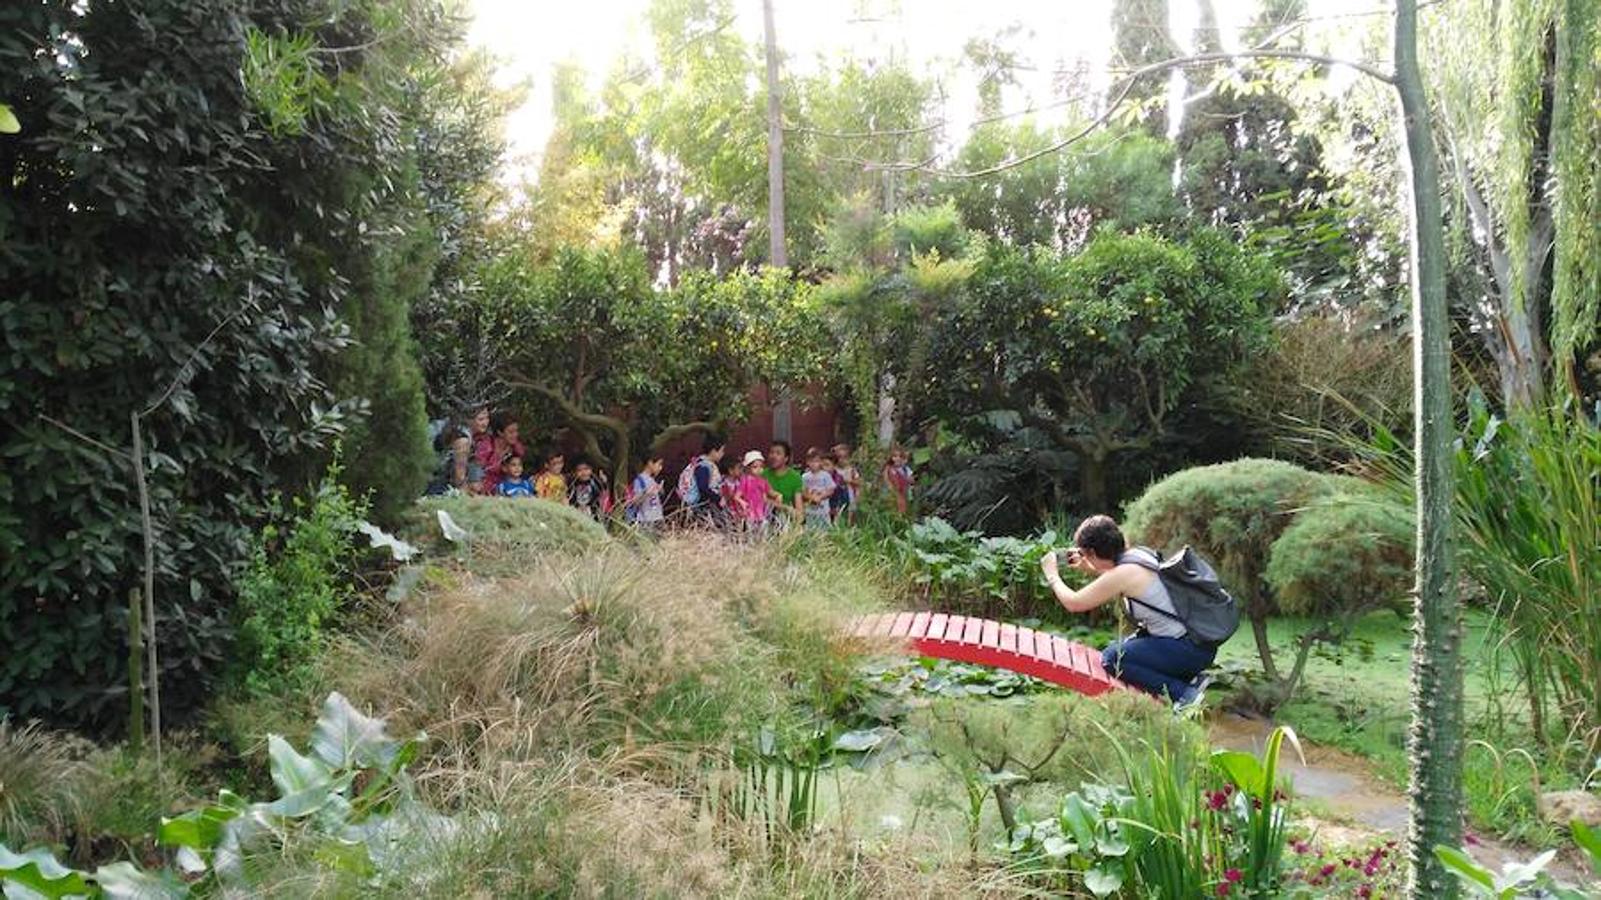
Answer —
(1343, 789)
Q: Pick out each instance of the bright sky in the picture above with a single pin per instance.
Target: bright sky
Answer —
(531, 36)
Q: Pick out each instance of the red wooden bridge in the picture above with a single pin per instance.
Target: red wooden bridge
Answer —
(988, 643)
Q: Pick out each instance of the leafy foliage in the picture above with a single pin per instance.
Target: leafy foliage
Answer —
(1322, 382)
(994, 575)
(1529, 510)
(350, 797)
(204, 198)
(1165, 832)
(587, 339)
(298, 580)
(1055, 341)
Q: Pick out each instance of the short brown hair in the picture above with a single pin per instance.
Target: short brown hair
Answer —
(1100, 536)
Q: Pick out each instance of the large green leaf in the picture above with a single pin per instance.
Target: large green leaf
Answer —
(1103, 880)
(1466, 868)
(8, 120)
(1079, 819)
(1589, 841)
(121, 881)
(201, 829)
(39, 872)
(292, 772)
(1242, 769)
(345, 738)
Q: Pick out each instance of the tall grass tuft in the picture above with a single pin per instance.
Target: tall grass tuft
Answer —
(1528, 523)
(43, 779)
(1529, 498)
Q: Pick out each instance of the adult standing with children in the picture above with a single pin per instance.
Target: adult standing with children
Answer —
(1175, 640)
(784, 478)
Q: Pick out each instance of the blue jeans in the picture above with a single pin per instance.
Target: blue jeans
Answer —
(1162, 666)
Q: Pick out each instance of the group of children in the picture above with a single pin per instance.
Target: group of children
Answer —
(754, 492)
(758, 492)
(488, 458)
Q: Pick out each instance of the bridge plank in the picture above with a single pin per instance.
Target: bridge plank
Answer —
(903, 624)
(1003, 645)
(1025, 641)
(919, 627)
(973, 633)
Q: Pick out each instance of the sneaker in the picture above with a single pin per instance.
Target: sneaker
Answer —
(1192, 698)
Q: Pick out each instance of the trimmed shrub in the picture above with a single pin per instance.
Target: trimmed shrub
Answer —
(1347, 555)
(503, 535)
(1232, 513)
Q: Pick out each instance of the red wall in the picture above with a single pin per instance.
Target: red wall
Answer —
(812, 423)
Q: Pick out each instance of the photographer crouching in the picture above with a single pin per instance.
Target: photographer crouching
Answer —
(1181, 612)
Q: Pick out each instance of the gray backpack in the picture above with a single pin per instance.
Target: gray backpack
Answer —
(1209, 615)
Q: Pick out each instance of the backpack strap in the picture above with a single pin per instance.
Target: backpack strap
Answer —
(1151, 561)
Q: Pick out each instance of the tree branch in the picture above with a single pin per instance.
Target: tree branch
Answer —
(674, 433)
(578, 416)
(1181, 62)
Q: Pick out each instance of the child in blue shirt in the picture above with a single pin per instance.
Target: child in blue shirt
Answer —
(512, 483)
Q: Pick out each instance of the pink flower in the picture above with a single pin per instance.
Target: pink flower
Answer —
(1365, 891)
(1326, 871)
(1233, 875)
(1223, 889)
(1470, 839)
(1302, 847)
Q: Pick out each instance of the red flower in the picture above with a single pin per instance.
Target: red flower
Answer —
(1365, 891)
(1223, 889)
(1233, 875)
(1326, 871)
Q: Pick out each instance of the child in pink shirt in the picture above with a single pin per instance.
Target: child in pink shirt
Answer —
(756, 492)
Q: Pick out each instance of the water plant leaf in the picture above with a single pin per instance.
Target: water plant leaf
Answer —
(1055, 846)
(121, 881)
(860, 741)
(8, 120)
(1080, 819)
(40, 872)
(1103, 880)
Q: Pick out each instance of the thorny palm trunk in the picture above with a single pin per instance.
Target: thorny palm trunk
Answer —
(1436, 740)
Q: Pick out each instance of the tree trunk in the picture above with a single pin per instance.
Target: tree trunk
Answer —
(1092, 479)
(1436, 740)
(152, 663)
(1263, 648)
(778, 253)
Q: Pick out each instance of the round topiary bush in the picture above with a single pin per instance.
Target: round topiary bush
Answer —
(1232, 513)
(1345, 556)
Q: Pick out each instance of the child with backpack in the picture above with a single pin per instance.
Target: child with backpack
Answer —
(700, 484)
(1181, 612)
(644, 506)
